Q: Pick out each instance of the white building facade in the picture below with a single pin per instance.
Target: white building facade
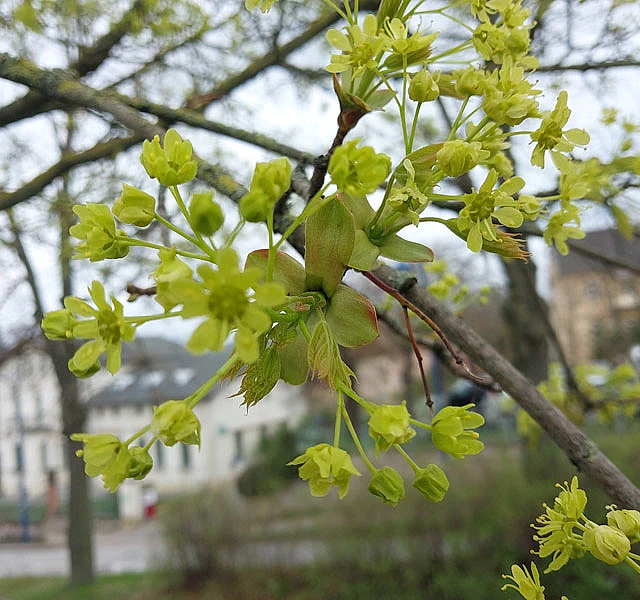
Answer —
(155, 370)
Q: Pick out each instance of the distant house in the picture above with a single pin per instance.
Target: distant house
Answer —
(154, 370)
(595, 305)
(31, 443)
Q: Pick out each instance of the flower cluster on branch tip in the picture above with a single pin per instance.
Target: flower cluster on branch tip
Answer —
(289, 320)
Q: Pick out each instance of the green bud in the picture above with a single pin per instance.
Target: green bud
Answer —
(206, 214)
(141, 463)
(424, 87)
(270, 181)
(173, 422)
(431, 482)
(84, 363)
(607, 544)
(389, 424)
(58, 324)
(457, 156)
(358, 171)
(134, 206)
(387, 484)
(469, 82)
(627, 521)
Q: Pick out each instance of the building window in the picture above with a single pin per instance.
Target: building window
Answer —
(238, 444)
(19, 458)
(186, 456)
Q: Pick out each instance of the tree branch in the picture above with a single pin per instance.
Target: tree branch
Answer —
(64, 165)
(580, 450)
(89, 59)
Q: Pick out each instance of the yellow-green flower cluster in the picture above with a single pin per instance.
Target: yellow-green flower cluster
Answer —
(104, 325)
(104, 454)
(224, 298)
(325, 466)
(481, 207)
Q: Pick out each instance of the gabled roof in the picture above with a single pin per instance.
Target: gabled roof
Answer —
(155, 370)
(607, 242)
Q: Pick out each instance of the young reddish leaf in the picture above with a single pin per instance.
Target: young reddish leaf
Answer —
(351, 318)
(329, 242)
(287, 271)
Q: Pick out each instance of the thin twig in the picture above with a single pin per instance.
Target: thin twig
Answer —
(416, 351)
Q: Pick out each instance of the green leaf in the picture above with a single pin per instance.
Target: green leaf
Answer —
(294, 367)
(351, 318)
(364, 254)
(287, 271)
(330, 236)
(397, 248)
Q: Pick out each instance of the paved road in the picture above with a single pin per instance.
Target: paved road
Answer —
(116, 549)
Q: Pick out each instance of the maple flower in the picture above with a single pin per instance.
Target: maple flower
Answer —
(106, 326)
(104, 454)
(174, 421)
(482, 206)
(389, 425)
(169, 163)
(323, 466)
(360, 47)
(627, 521)
(550, 136)
(431, 482)
(526, 583)
(98, 234)
(450, 431)
(555, 528)
(225, 299)
(606, 543)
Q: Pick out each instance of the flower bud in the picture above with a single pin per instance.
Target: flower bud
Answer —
(423, 87)
(206, 214)
(431, 482)
(173, 422)
(627, 521)
(457, 156)
(141, 463)
(388, 485)
(134, 206)
(58, 324)
(607, 544)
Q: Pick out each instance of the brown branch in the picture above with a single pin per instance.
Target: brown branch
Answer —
(418, 355)
(578, 447)
(590, 66)
(89, 59)
(440, 351)
(64, 165)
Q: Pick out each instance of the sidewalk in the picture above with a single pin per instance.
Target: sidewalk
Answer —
(118, 548)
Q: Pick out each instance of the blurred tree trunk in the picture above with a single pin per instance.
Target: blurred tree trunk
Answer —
(525, 322)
